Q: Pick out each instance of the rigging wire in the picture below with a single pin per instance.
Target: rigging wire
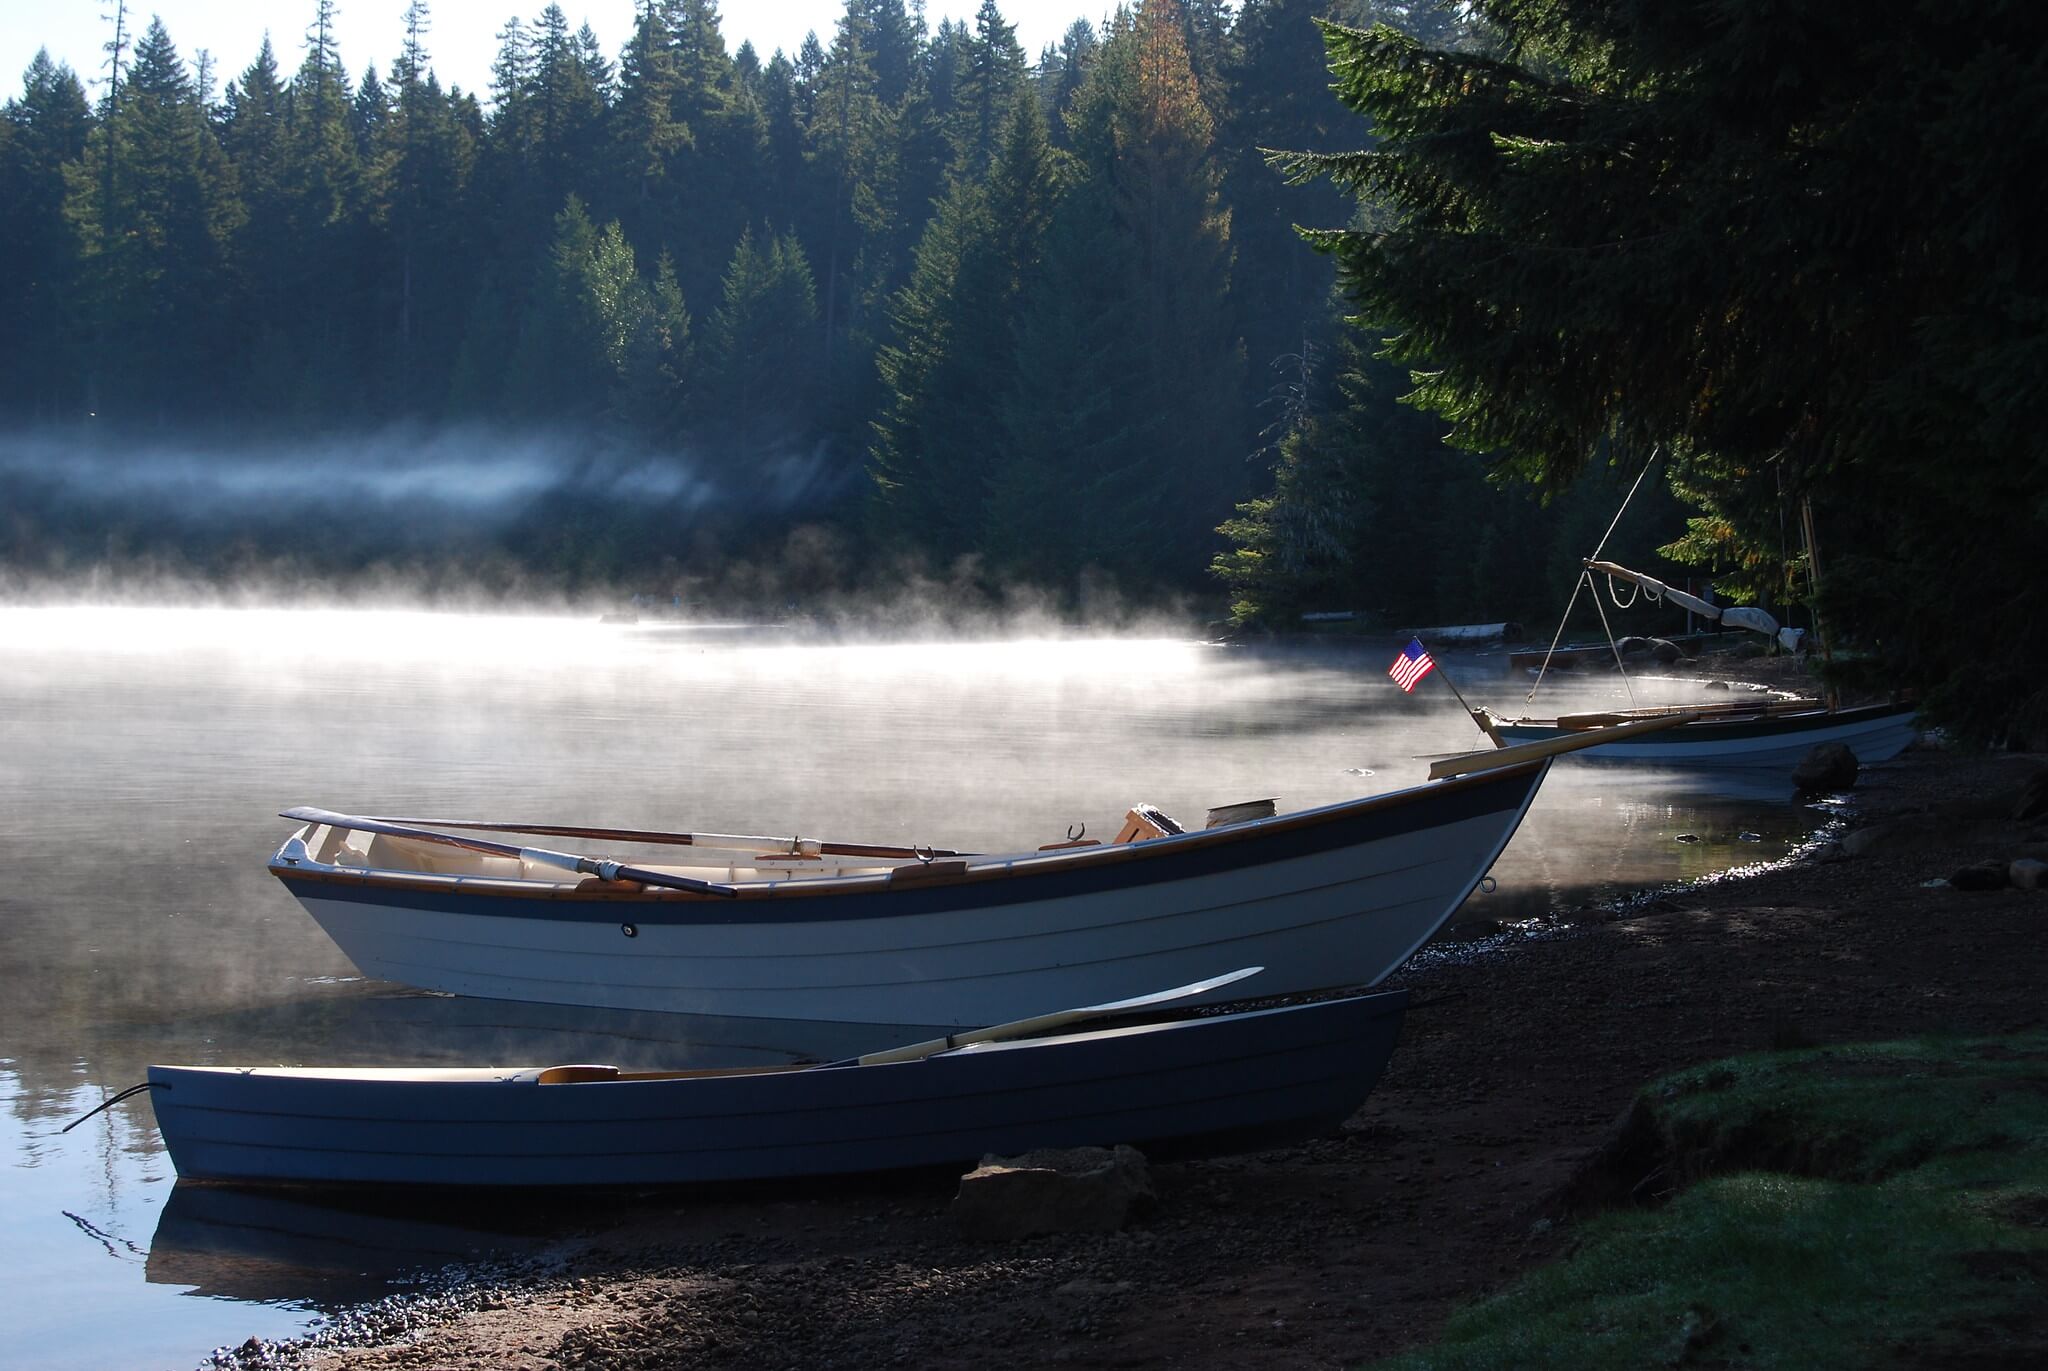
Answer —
(1614, 647)
(1654, 450)
(1586, 578)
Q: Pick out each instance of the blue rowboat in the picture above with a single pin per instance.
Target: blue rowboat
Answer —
(1216, 1083)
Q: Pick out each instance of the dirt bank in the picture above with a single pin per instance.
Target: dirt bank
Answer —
(1356, 1246)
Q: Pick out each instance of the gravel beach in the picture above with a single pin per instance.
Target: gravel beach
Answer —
(1456, 1175)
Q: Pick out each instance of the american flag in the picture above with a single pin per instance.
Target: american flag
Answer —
(1412, 665)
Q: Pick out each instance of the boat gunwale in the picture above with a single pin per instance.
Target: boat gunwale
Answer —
(1752, 722)
(994, 868)
(1371, 1003)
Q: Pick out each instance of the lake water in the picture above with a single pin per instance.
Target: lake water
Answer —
(144, 753)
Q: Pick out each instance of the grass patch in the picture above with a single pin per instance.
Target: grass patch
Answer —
(1862, 1206)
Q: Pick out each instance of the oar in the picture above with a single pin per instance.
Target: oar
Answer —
(739, 842)
(1041, 1022)
(1468, 763)
(570, 861)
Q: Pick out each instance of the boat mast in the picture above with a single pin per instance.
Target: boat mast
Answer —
(1813, 588)
(1585, 582)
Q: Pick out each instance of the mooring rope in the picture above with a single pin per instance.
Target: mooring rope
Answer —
(110, 1103)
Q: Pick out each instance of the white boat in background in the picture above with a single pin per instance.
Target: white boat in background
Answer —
(852, 933)
(1770, 735)
(1767, 734)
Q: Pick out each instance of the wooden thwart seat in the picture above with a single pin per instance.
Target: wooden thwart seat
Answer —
(1145, 822)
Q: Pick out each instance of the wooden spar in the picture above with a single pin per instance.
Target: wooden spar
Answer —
(568, 861)
(1039, 1023)
(1471, 762)
(1735, 709)
(1689, 602)
(732, 842)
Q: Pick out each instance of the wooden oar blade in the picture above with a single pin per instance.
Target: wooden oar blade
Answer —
(1184, 992)
(1040, 1022)
(311, 814)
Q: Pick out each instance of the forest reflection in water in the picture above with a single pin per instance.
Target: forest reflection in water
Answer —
(144, 753)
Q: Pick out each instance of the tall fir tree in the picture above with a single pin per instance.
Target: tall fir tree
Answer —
(163, 274)
(1144, 137)
(325, 222)
(944, 480)
(851, 145)
(988, 86)
(759, 343)
(41, 132)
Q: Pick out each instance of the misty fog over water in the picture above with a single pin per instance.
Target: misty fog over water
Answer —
(144, 753)
(444, 496)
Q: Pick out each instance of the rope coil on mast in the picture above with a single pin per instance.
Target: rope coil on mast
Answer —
(1636, 590)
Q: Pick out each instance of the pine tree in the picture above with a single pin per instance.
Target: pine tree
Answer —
(1062, 77)
(929, 459)
(1144, 138)
(647, 133)
(719, 176)
(653, 394)
(428, 159)
(324, 223)
(897, 37)
(851, 138)
(1280, 99)
(162, 274)
(40, 133)
(1076, 458)
(757, 347)
(989, 85)
(785, 169)
(370, 114)
(570, 340)
(937, 456)
(565, 108)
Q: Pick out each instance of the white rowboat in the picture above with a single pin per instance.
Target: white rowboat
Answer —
(1766, 737)
(865, 934)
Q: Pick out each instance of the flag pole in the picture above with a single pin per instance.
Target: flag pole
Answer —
(1478, 718)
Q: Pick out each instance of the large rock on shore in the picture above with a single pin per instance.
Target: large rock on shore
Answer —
(1054, 1190)
(1831, 766)
(2033, 799)
(1991, 874)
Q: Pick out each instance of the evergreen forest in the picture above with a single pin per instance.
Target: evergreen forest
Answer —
(907, 301)
(1270, 308)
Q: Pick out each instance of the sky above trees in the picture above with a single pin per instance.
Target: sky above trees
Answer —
(464, 37)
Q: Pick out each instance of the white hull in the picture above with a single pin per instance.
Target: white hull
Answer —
(960, 954)
(1750, 745)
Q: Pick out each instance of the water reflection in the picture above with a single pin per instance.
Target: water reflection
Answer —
(323, 1251)
(143, 754)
